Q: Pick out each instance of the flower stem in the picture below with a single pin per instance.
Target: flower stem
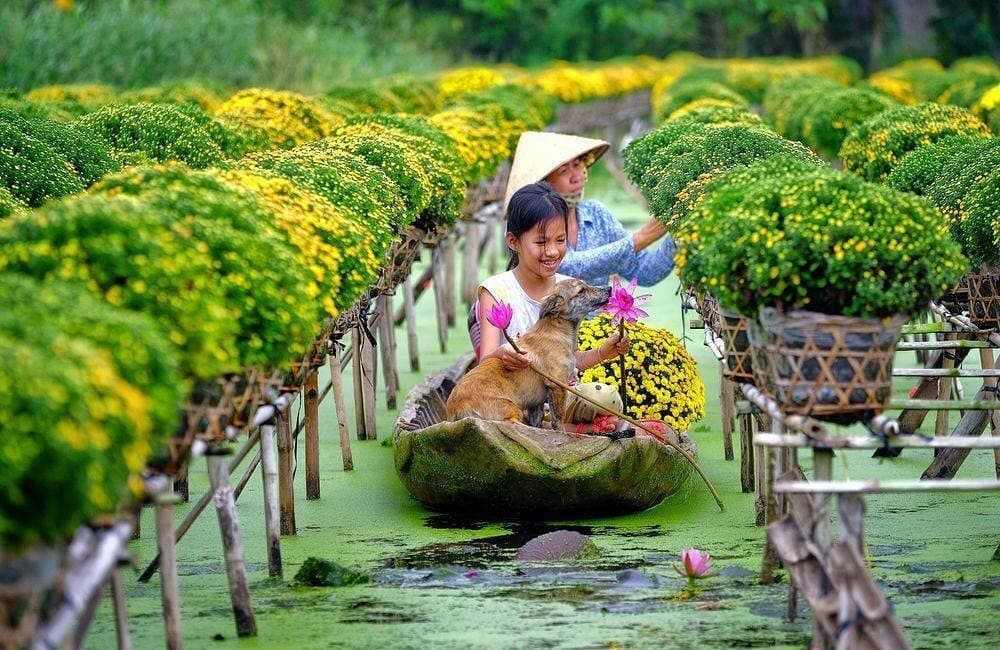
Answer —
(621, 365)
(630, 420)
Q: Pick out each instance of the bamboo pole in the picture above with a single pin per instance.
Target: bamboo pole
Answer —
(947, 461)
(122, 635)
(272, 524)
(229, 530)
(383, 311)
(773, 505)
(470, 262)
(311, 390)
(450, 241)
(747, 455)
(410, 314)
(440, 299)
(169, 582)
(943, 393)
(359, 403)
(286, 486)
(390, 330)
(726, 403)
(369, 374)
(337, 380)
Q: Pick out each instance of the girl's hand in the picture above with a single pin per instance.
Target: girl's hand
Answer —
(614, 346)
(511, 359)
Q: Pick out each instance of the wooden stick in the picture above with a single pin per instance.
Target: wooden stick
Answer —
(169, 582)
(826, 488)
(359, 402)
(383, 310)
(747, 463)
(411, 325)
(943, 392)
(440, 299)
(286, 486)
(337, 380)
(773, 505)
(229, 529)
(947, 461)
(272, 523)
(390, 331)
(311, 389)
(122, 634)
(727, 405)
(450, 245)
(871, 442)
(369, 375)
(470, 262)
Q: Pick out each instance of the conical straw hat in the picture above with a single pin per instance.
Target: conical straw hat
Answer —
(538, 154)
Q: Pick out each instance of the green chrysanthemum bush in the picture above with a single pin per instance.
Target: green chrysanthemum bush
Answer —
(713, 112)
(964, 88)
(981, 222)
(206, 95)
(907, 82)
(510, 103)
(482, 141)
(787, 102)
(235, 140)
(722, 148)
(829, 120)
(689, 89)
(289, 119)
(966, 170)
(434, 154)
(819, 240)
(334, 244)
(143, 133)
(31, 170)
(346, 181)
(415, 94)
(72, 430)
(133, 256)
(8, 203)
(366, 99)
(918, 169)
(254, 263)
(873, 148)
(395, 159)
(88, 155)
(135, 343)
(987, 108)
(662, 380)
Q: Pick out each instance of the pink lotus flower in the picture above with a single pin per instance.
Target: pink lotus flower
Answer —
(623, 305)
(696, 565)
(499, 315)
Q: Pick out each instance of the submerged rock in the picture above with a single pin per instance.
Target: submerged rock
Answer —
(557, 545)
(318, 572)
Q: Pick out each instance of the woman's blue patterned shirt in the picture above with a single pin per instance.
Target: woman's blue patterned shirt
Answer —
(604, 247)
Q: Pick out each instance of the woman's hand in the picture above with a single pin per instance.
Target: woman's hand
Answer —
(614, 346)
(511, 359)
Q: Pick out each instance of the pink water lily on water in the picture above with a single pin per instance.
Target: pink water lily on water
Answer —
(623, 305)
(696, 565)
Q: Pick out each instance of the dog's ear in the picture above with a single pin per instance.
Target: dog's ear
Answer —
(553, 303)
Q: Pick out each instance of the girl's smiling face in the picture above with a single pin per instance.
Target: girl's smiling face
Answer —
(541, 249)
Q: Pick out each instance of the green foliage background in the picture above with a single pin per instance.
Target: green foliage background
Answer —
(310, 45)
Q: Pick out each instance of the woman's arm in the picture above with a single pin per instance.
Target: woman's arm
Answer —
(609, 348)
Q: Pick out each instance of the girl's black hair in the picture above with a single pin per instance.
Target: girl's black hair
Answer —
(529, 206)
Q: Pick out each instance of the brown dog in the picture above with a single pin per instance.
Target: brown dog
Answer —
(491, 392)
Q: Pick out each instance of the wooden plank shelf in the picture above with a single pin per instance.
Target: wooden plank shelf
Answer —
(874, 486)
(874, 442)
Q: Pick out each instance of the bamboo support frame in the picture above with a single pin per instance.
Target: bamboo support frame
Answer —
(727, 406)
(359, 403)
(369, 376)
(122, 635)
(410, 314)
(440, 299)
(450, 244)
(169, 581)
(383, 311)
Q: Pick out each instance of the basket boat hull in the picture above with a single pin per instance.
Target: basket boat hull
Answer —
(503, 469)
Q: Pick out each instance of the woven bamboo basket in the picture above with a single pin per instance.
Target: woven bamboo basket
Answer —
(834, 368)
(738, 364)
(984, 298)
(401, 256)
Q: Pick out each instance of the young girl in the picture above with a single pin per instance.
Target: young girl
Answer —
(536, 237)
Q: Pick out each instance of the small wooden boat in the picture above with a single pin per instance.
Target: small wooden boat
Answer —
(496, 469)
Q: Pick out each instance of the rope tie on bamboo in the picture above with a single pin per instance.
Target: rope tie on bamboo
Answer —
(948, 354)
(989, 389)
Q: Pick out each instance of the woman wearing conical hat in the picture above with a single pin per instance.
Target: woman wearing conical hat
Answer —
(598, 244)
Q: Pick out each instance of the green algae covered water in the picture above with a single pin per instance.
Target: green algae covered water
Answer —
(444, 581)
